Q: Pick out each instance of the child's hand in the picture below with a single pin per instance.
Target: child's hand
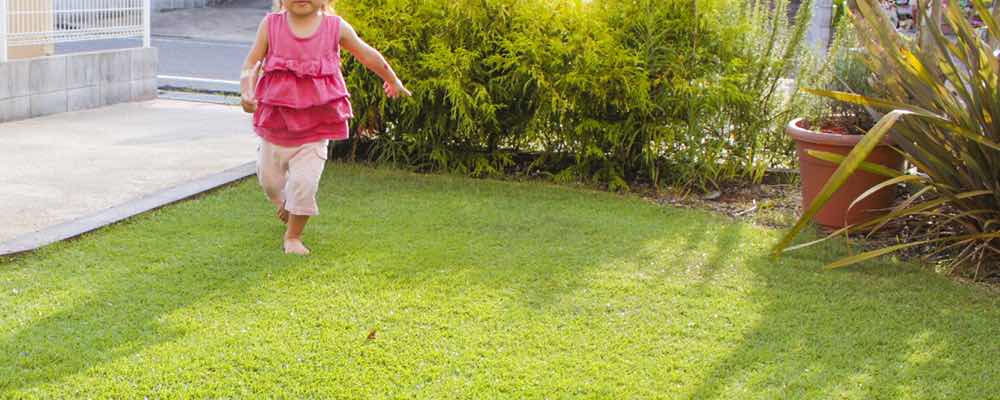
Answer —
(396, 89)
(249, 104)
(248, 82)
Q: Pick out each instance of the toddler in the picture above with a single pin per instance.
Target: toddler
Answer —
(300, 103)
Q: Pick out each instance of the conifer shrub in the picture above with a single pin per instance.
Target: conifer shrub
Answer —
(608, 91)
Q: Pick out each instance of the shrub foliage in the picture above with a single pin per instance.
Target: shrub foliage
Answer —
(611, 91)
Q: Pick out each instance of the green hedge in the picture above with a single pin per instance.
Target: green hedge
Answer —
(614, 91)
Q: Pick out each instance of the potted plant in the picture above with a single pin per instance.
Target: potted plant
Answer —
(940, 97)
(832, 132)
(814, 146)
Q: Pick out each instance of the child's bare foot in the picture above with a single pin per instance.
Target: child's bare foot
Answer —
(295, 246)
(282, 214)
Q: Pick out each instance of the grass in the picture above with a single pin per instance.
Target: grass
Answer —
(477, 289)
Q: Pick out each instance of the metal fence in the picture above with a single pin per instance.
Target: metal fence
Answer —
(45, 22)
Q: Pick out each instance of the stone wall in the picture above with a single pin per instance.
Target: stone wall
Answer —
(49, 85)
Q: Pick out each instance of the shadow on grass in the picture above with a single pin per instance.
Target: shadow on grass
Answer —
(140, 272)
(882, 332)
(875, 331)
(538, 241)
(406, 230)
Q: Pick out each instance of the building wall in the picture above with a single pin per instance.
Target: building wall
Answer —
(49, 85)
(38, 22)
(22, 52)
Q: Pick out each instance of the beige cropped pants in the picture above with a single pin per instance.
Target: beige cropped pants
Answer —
(290, 175)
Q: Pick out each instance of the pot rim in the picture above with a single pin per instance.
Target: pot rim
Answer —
(829, 139)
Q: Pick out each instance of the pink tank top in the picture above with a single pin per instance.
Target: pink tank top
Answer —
(302, 97)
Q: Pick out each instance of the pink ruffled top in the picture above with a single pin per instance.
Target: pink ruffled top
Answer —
(302, 97)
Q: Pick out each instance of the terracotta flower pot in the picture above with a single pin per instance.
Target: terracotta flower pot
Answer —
(816, 172)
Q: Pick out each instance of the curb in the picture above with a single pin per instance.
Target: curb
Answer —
(67, 230)
(200, 38)
(199, 96)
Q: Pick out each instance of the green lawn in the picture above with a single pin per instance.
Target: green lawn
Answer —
(477, 289)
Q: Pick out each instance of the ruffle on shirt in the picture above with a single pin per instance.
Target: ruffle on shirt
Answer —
(302, 68)
(292, 139)
(283, 88)
(281, 118)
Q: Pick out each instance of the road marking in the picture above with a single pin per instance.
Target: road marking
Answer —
(210, 43)
(192, 79)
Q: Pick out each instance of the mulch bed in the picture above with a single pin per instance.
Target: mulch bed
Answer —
(779, 206)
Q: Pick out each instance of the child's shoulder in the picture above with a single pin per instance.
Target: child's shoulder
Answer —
(335, 20)
(264, 22)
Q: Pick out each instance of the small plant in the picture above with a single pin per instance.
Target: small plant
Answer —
(844, 70)
(735, 127)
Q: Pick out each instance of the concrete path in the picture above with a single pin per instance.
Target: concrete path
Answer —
(67, 168)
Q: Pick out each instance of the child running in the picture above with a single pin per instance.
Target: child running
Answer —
(301, 103)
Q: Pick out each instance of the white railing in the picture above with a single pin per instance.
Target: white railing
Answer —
(45, 22)
(3, 30)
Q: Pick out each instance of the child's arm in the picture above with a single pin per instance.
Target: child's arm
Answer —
(372, 59)
(248, 76)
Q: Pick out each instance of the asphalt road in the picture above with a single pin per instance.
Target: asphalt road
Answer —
(200, 48)
(188, 63)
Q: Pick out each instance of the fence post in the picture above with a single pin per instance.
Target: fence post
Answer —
(3, 31)
(146, 27)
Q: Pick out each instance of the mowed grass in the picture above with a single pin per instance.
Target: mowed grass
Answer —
(477, 289)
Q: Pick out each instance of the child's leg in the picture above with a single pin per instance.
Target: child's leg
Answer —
(272, 172)
(304, 171)
(293, 235)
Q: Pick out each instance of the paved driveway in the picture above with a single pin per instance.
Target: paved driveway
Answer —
(64, 167)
